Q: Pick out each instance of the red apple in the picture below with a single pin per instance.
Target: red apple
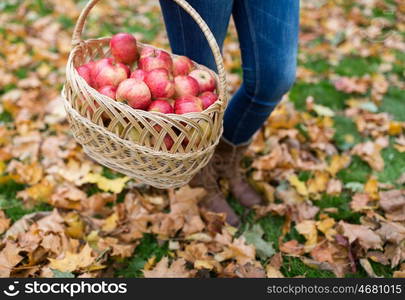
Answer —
(185, 85)
(85, 72)
(208, 98)
(135, 92)
(109, 91)
(161, 106)
(107, 72)
(160, 83)
(182, 65)
(205, 80)
(123, 48)
(154, 59)
(187, 104)
(168, 100)
(138, 74)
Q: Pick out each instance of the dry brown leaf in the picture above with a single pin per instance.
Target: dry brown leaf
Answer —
(177, 269)
(67, 196)
(292, 247)
(393, 232)
(9, 258)
(4, 222)
(364, 235)
(393, 203)
(246, 271)
(334, 187)
(360, 202)
(370, 153)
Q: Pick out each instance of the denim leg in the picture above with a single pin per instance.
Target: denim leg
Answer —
(268, 35)
(184, 34)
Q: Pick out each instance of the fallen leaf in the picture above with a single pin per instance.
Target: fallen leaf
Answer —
(364, 235)
(292, 247)
(308, 229)
(254, 236)
(393, 203)
(9, 258)
(177, 269)
(111, 222)
(4, 222)
(74, 261)
(299, 185)
(107, 185)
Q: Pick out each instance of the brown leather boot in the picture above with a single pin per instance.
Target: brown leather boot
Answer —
(226, 162)
(215, 199)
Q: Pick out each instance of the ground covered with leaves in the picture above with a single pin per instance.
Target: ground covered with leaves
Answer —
(330, 162)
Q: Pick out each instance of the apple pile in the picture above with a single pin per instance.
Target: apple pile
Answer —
(157, 81)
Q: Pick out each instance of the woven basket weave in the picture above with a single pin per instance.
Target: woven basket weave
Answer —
(131, 141)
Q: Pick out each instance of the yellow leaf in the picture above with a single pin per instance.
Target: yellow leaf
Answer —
(108, 185)
(371, 188)
(399, 148)
(326, 227)
(337, 163)
(2, 167)
(200, 236)
(318, 183)
(394, 128)
(204, 264)
(272, 272)
(92, 238)
(299, 185)
(40, 192)
(150, 263)
(73, 261)
(75, 225)
(308, 229)
(111, 222)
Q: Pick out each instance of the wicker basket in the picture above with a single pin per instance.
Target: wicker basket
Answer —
(106, 128)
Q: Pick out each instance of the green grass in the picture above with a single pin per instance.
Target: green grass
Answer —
(7, 7)
(394, 165)
(319, 66)
(5, 117)
(13, 207)
(293, 266)
(341, 202)
(21, 73)
(147, 248)
(7, 88)
(346, 134)
(110, 174)
(358, 171)
(379, 270)
(66, 22)
(272, 226)
(324, 93)
(357, 66)
(393, 103)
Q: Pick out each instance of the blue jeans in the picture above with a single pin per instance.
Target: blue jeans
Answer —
(268, 37)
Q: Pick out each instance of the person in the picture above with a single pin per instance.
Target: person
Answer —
(268, 37)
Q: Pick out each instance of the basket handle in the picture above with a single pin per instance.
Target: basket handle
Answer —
(222, 88)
